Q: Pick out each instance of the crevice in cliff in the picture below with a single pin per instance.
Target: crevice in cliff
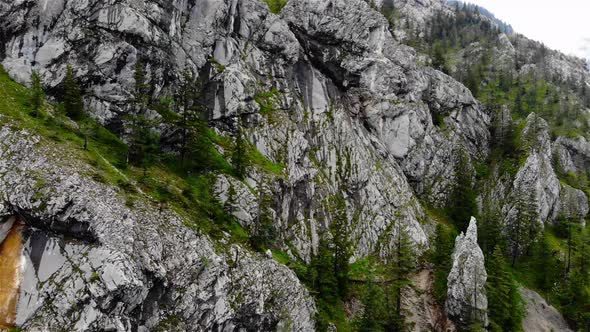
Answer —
(333, 69)
(58, 224)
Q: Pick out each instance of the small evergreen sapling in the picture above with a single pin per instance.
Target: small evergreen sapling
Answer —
(73, 103)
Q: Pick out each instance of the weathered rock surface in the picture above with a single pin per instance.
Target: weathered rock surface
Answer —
(5, 227)
(466, 295)
(538, 174)
(424, 312)
(540, 316)
(353, 112)
(92, 263)
(572, 155)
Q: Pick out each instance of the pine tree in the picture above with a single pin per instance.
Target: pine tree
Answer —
(504, 308)
(341, 241)
(239, 155)
(523, 231)
(573, 244)
(544, 260)
(264, 232)
(197, 146)
(388, 11)
(438, 59)
(462, 203)
(400, 264)
(324, 283)
(141, 88)
(518, 102)
(230, 203)
(441, 258)
(584, 254)
(515, 231)
(73, 104)
(374, 313)
(532, 219)
(490, 228)
(190, 112)
(37, 93)
(144, 141)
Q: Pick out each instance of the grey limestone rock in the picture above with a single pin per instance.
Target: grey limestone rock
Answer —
(466, 295)
(90, 262)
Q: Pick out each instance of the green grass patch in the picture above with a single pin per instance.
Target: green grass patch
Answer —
(267, 101)
(275, 6)
(257, 159)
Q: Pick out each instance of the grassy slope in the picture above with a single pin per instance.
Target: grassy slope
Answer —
(160, 183)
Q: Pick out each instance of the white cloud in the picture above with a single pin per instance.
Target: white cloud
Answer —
(561, 25)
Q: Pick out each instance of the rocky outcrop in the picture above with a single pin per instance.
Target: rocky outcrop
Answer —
(572, 155)
(540, 316)
(352, 113)
(537, 173)
(537, 179)
(466, 296)
(5, 227)
(324, 90)
(91, 262)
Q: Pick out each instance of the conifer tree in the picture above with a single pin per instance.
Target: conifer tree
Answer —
(515, 231)
(190, 110)
(324, 283)
(400, 264)
(438, 59)
(490, 228)
(573, 241)
(523, 230)
(518, 102)
(584, 254)
(141, 88)
(504, 308)
(544, 260)
(374, 313)
(462, 202)
(239, 154)
(73, 104)
(197, 147)
(37, 93)
(144, 141)
(264, 232)
(341, 241)
(531, 217)
(441, 258)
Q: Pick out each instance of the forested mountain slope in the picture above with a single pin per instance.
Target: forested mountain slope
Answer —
(287, 165)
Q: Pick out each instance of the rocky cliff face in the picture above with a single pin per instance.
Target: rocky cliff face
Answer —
(325, 89)
(540, 315)
(466, 297)
(537, 178)
(424, 313)
(352, 113)
(90, 262)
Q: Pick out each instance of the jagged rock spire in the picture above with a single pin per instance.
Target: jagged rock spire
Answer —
(466, 296)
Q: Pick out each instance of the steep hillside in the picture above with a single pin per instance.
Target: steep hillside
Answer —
(285, 165)
(97, 257)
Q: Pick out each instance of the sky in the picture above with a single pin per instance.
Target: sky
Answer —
(563, 25)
